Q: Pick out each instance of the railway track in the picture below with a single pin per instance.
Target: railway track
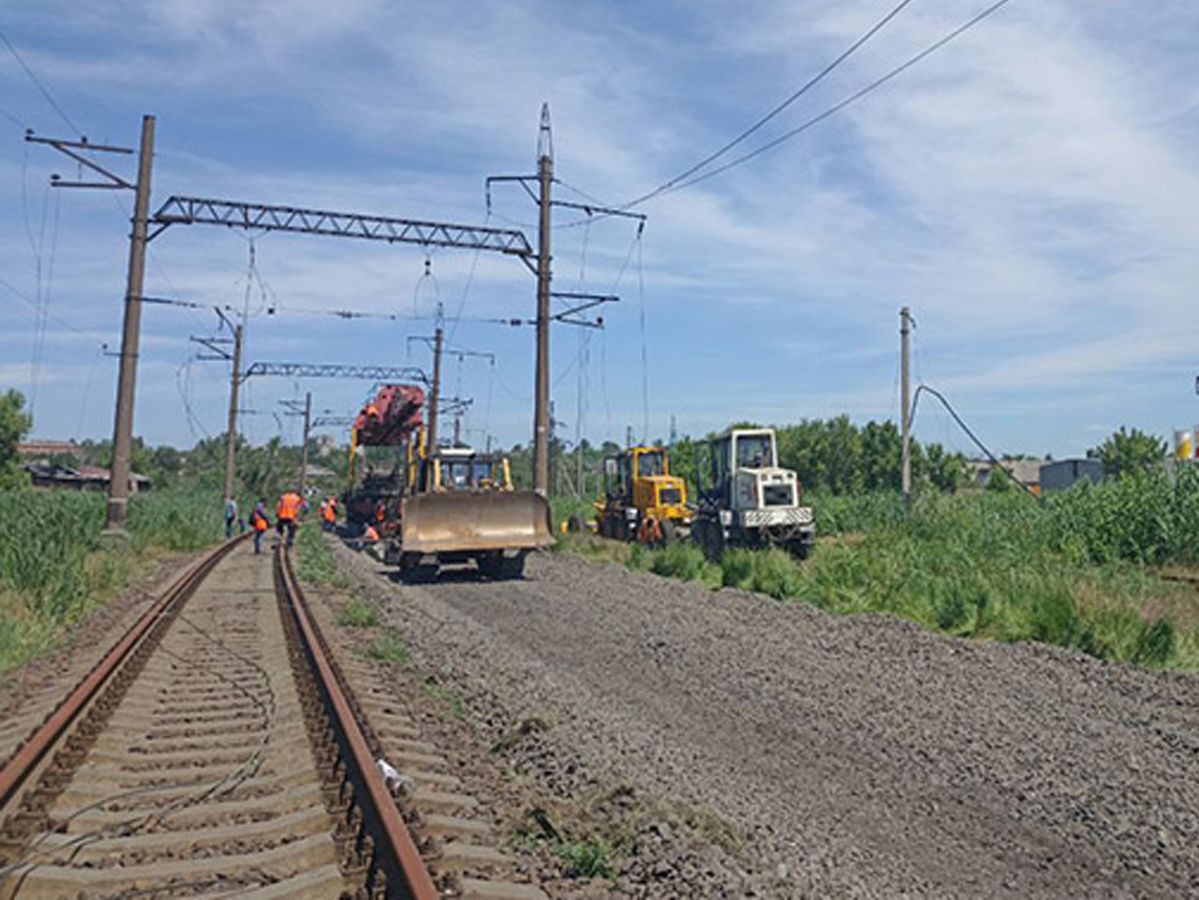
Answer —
(217, 749)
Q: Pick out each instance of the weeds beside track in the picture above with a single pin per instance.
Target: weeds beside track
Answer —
(54, 567)
(1077, 570)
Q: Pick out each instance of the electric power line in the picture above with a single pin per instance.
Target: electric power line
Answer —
(45, 92)
(848, 101)
(32, 305)
(752, 129)
(925, 389)
(13, 119)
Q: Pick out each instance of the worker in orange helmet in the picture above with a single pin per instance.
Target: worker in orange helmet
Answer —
(286, 512)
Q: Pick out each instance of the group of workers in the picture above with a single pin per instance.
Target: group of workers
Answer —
(288, 510)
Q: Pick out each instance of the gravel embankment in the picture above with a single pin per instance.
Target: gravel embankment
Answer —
(854, 756)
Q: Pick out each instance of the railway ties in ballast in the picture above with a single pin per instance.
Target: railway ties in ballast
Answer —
(217, 749)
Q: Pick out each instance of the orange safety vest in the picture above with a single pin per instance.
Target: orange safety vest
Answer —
(259, 520)
(330, 512)
(289, 506)
(371, 534)
(651, 531)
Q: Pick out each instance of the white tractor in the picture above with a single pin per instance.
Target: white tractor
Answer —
(751, 501)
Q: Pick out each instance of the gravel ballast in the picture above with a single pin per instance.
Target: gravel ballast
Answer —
(821, 755)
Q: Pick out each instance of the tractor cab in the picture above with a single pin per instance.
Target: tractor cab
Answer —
(463, 469)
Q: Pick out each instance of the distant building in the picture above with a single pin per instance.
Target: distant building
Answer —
(1062, 473)
(81, 478)
(48, 449)
(1026, 471)
(324, 444)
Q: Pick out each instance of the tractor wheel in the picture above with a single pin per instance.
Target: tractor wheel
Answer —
(800, 548)
(513, 567)
(414, 571)
(710, 539)
(489, 563)
(670, 532)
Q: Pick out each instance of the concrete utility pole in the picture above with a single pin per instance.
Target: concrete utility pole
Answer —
(905, 412)
(435, 392)
(122, 436)
(304, 448)
(541, 415)
(231, 433)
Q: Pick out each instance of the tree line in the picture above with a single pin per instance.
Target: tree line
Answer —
(832, 455)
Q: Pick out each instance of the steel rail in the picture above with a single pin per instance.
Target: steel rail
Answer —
(37, 748)
(396, 854)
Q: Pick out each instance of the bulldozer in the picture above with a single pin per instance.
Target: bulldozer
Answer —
(751, 501)
(448, 506)
(642, 501)
(470, 511)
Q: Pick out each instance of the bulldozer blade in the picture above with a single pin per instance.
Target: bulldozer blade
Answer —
(475, 521)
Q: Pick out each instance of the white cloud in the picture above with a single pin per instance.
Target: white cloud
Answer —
(1028, 190)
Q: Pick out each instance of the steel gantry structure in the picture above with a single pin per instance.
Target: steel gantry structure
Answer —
(185, 210)
(270, 217)
(337, 370)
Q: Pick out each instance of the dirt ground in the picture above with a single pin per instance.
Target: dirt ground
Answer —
(728, 745)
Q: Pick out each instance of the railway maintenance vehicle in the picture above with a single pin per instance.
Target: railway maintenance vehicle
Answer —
(750, 501)
(449, 506)
(642, 500)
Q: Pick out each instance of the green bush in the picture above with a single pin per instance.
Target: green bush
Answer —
(358, 614)
(684, 560)
(1068, 570)
(591, 858)
(389, 647)
(53, 567)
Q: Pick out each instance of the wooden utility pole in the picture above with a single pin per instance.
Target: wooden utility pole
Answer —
(435, 392)
(231, 433)
(122, 436)
(905, 411)
(304, 448)
(581, 301)
(541, 414)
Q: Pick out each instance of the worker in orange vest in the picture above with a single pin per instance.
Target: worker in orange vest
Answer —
(286, 513)
(330, 514)
(371, 535)
(260, 523)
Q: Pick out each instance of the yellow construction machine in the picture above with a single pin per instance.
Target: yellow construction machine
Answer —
(467, 511)
(440, 506)
(642, 501)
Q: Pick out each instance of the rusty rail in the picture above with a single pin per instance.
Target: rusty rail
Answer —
(381, 843)
(26, 760)
(396, 853)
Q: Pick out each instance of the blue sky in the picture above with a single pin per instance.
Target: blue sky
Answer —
(1030, 191)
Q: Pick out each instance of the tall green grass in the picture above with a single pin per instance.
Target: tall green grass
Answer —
(53, 567)
(1074, 569)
